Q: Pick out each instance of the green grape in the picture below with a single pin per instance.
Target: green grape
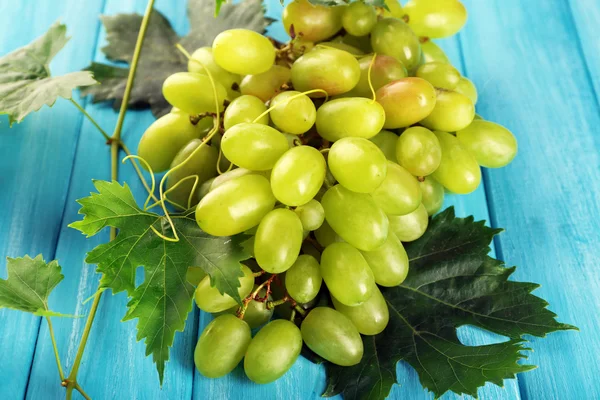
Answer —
(257, 314)
(332, 70)
(193, 93)
(194, 275)
(406, 102)
(458, 171)
(203, 164)
(325, 235)
(355, 217)
(467, 87)
(362, 43)
(410, 227)
(350, 117)
(359, 18)
(303, 280)
(266, 85)
(235, 206)
(436, 18)
(309, 248)
(301, 46)
(205, 188)
(253, 146)
(493, 145)
(224, 163)
(331, 334)
(433, 195)
(243, 51)
(298, 175)
(440, 74)
(386, 141)
(385, 69)
(347, 274)
(278, 240)
(245, 108)
(310, 22)
(341, 46)
(203, 60)
(294, 116)
(235, 173)
(418, 150)
(393, 37)
(452, 112)
(389, 262)
(395, 9)
(164, 138)
(209, 299)
(221, 346)
(370, 317)
(433, 53)
(357, 164)
(273, 351)
(399, 193)
(311, 215)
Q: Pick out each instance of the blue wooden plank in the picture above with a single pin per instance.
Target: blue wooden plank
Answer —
(114, 365)
(34, 179)
(536, 82)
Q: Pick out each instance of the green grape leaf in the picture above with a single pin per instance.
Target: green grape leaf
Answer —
(29, 284)
(25, 80)
(163, 301)
(159, 57)
(452, 282)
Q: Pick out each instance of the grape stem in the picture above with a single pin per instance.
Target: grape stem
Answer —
(61, 374)
(115, 145)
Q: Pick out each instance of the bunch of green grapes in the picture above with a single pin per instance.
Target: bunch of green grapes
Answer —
(329, 152)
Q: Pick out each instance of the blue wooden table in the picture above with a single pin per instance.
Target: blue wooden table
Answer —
(537, 66)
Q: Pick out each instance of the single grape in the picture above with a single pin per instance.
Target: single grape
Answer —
(257, 314)
(359, 18)
(386, 141)
(389, 262)
(357, 164)
(436, 18)
(245, 108)
(410, 227)
(466, 87)
(309, 22)
(203, 164)
(273, 351)
(406, 101)
(452, 112)
(393, 37)
(266, 85)
(298, 175)
(209, 299)
(347, 274)
(342, 46)
(235, 206)
(203, 60)
(355, 217)
(399, 193)
(395, 9)
(493, 145)
(331, 334)
(295, 116)
(243, 51)
(205, 188)
(440, 74)
(164, 138)
(363, 43)
(325, 235)
(193, 93)
(332, 70)
(370, 317)
(278, 240)
(433, 53)
(459, 171)
(301, 46)
(303, 280)
(350, 117)
(385, 69)
(419, 151)
(311, 215)
(253, 146)
(235, 173)
(221, 346)
(310, 249)
(433, 195)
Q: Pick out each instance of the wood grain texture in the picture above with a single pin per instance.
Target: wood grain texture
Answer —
(536, 67)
